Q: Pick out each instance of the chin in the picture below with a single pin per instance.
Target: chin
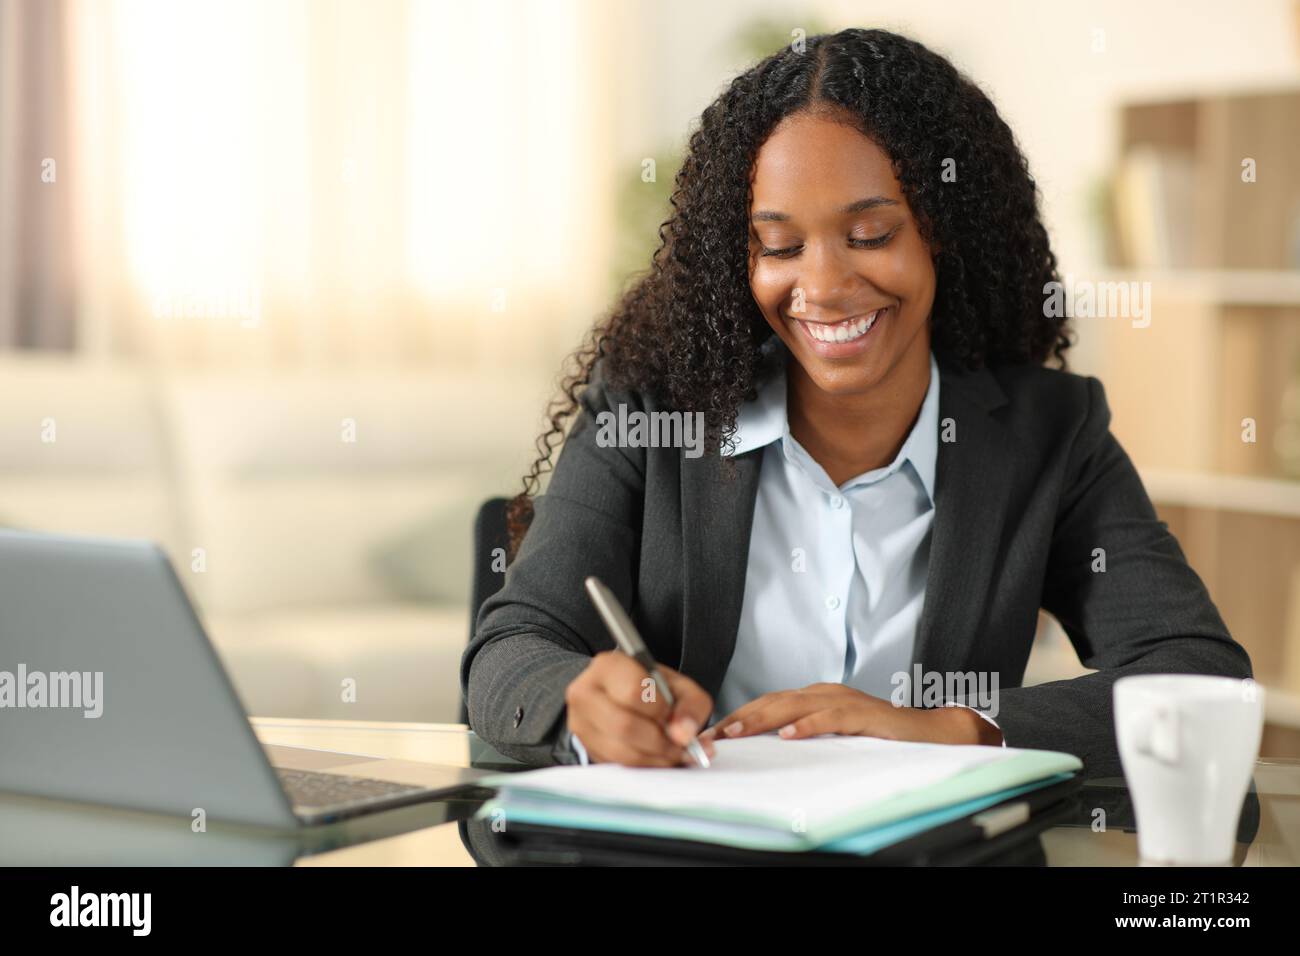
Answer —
(852, 376)
(850, 380)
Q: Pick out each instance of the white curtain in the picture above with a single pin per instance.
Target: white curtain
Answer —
(37, 265)
(308, 182)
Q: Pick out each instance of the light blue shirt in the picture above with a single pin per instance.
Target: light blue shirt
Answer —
(836, 575)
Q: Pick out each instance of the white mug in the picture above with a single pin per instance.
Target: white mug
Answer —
(1188, 744)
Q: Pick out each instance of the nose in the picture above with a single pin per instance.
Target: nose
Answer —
(828, 281)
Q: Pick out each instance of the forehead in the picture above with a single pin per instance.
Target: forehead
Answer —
(811, 156)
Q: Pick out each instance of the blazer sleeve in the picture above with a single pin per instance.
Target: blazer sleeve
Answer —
(536, 634)
(1146, 612)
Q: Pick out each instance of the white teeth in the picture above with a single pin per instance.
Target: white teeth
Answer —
(843, 332)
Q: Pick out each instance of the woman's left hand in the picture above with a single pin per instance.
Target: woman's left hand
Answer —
(837, 709)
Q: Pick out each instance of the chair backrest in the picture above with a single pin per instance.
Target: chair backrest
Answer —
(490, 533)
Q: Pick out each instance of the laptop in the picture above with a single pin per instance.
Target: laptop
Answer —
(111, 693)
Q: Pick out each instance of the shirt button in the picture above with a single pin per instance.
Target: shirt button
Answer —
(832, 602)
(837, 502)
(519, 716)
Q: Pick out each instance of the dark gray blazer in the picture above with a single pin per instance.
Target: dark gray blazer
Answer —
(1032, 484)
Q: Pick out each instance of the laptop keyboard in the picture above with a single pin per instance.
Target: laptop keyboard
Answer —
(309, 789)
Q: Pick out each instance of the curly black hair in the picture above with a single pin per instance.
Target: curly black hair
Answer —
(688, 330)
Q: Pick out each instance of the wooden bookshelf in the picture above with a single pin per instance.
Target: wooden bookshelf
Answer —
(1234, 223)
(1222, 257)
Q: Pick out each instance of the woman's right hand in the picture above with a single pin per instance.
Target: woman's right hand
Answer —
(615, 709)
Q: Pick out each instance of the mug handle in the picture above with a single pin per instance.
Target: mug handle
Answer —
(1159, 735)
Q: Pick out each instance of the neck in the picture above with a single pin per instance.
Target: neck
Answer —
(851, 434)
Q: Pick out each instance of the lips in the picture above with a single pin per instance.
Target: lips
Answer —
(845, 337)
(845, 331)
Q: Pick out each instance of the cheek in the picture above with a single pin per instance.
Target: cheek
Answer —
(772, 287)
(912, 271)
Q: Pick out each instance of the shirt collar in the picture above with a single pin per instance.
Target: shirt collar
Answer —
(763, 421)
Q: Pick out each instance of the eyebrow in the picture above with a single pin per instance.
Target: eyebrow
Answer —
(871, 202)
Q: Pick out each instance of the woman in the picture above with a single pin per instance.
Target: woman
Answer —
(851, 291)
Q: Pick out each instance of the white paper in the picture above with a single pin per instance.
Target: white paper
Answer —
(769, 778)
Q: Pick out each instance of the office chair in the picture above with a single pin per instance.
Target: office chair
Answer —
(490, 533)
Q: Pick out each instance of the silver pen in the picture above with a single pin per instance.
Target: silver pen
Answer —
(629, 641)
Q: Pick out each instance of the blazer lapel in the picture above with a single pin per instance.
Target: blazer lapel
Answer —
(717, 515)
(971, 499)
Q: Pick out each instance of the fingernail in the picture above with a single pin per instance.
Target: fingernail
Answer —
(732, 729)
(690, 723)
(683, 729)
(787, 730)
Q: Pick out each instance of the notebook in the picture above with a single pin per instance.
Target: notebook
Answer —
(768, 793)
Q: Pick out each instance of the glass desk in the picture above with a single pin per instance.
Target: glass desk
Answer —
(41, 832)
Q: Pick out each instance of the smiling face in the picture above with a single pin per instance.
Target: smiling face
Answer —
(837, 263)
